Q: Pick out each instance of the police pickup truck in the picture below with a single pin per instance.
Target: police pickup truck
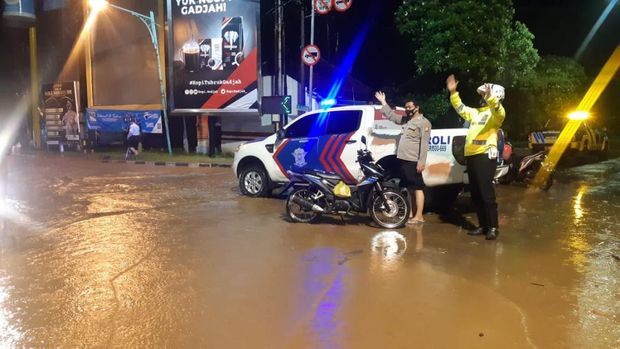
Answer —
(329, 139)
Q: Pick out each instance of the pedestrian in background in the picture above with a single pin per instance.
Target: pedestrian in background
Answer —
(481, 151)
(411, 152)
(133, 137)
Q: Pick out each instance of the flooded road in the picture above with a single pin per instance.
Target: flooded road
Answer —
(113, 255)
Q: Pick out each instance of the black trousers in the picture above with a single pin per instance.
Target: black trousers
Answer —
(481, 171)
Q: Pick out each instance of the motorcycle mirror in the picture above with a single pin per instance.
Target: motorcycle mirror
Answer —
(364, 140)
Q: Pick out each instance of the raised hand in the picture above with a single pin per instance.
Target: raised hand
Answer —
(380, 96)
(452, 83)
(487, 91)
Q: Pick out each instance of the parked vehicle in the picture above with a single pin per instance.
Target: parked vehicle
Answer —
(587, 141)
(525, 169)
(328, 140)
(316, 193)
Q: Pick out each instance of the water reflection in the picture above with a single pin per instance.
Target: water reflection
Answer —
(577, 207)
(324, 290)
(388, 247)
(9, 334)
(577, 238)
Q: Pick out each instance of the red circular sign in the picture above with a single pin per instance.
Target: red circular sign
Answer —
(310, 55)
(322, 7)
(342, 5)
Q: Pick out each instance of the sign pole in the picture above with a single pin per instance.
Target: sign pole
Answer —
(311, 78)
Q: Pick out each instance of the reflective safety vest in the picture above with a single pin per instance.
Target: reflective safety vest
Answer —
(483, 124)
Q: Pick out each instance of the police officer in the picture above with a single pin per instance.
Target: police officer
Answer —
(412, 151)
(481, 151)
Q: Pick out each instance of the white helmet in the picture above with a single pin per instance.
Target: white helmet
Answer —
(496, 90)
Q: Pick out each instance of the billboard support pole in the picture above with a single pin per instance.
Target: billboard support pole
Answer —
(34, 88)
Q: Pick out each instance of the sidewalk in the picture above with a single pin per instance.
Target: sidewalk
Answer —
(152, 158)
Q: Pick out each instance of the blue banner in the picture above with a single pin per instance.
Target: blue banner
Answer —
(19, 9)
(106, 120)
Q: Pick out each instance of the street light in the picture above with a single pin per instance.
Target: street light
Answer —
(150, 22)
(578, 115)
(98, 5)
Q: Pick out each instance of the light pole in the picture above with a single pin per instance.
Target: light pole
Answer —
(151, 25)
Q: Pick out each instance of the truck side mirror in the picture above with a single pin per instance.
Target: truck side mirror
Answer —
(280, 134)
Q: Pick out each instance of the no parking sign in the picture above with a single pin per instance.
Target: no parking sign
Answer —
(310, 55)
(342, 5)
(322, 7)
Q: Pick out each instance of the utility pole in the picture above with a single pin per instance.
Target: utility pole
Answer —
(278, 85)
(310, 85)
(302, 67)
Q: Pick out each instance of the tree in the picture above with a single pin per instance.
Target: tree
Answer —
(556, 86)
(435, 106)
(477, 39)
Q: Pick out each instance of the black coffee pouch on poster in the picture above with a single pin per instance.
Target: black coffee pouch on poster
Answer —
(205, 53)
(232, 35)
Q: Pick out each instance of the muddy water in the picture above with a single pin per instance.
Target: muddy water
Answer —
(105, 255)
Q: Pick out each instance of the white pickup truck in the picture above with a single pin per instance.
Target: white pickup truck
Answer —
(329, 139)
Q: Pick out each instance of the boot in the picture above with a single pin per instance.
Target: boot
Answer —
(479, 231)
(492, 234)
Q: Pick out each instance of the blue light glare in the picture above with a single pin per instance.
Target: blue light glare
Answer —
(326, 103)
(347, 63)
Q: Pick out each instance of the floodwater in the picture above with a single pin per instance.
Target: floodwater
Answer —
(127, 256)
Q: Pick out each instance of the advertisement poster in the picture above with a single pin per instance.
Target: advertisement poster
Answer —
(105, 120)
(61, 107)
(213, 47)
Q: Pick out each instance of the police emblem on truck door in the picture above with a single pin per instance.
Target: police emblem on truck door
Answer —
(300, 157)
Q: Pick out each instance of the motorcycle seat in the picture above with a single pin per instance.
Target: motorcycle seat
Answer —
(326, 175)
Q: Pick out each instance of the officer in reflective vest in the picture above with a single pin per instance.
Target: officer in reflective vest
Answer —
(481, 151)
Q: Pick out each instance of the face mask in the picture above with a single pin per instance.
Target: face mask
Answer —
(411, 113)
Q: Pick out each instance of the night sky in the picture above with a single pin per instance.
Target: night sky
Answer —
(385, 59)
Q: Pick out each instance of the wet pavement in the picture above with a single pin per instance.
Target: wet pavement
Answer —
(113, 255)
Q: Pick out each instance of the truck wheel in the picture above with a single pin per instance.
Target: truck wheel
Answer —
(441, 199)
(253, 181)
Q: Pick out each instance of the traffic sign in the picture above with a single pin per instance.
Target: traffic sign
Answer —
(342, 5)
(310, 55)
(276, 105)
(322, 7)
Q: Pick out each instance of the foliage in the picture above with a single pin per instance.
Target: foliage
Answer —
(435, 107)
(478, 40)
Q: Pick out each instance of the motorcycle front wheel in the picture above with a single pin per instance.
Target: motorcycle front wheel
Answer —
(389, 209)
(295, 211)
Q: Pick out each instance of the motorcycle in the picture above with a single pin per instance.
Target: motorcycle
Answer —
(524, 170)
(317, 192)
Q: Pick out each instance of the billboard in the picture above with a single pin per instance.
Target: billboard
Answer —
(61, 106)
(106, 120)
(213, 52)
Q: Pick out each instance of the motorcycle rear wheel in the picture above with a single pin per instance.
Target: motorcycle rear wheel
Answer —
(297, 213)
(389, 209)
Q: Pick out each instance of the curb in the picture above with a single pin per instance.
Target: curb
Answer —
(169, 164)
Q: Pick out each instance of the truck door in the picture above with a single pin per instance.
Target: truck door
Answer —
(338, 146)
(298, 150)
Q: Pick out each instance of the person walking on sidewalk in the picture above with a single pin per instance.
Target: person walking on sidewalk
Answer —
(481, 151)
(412, 151)
(133, 138)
